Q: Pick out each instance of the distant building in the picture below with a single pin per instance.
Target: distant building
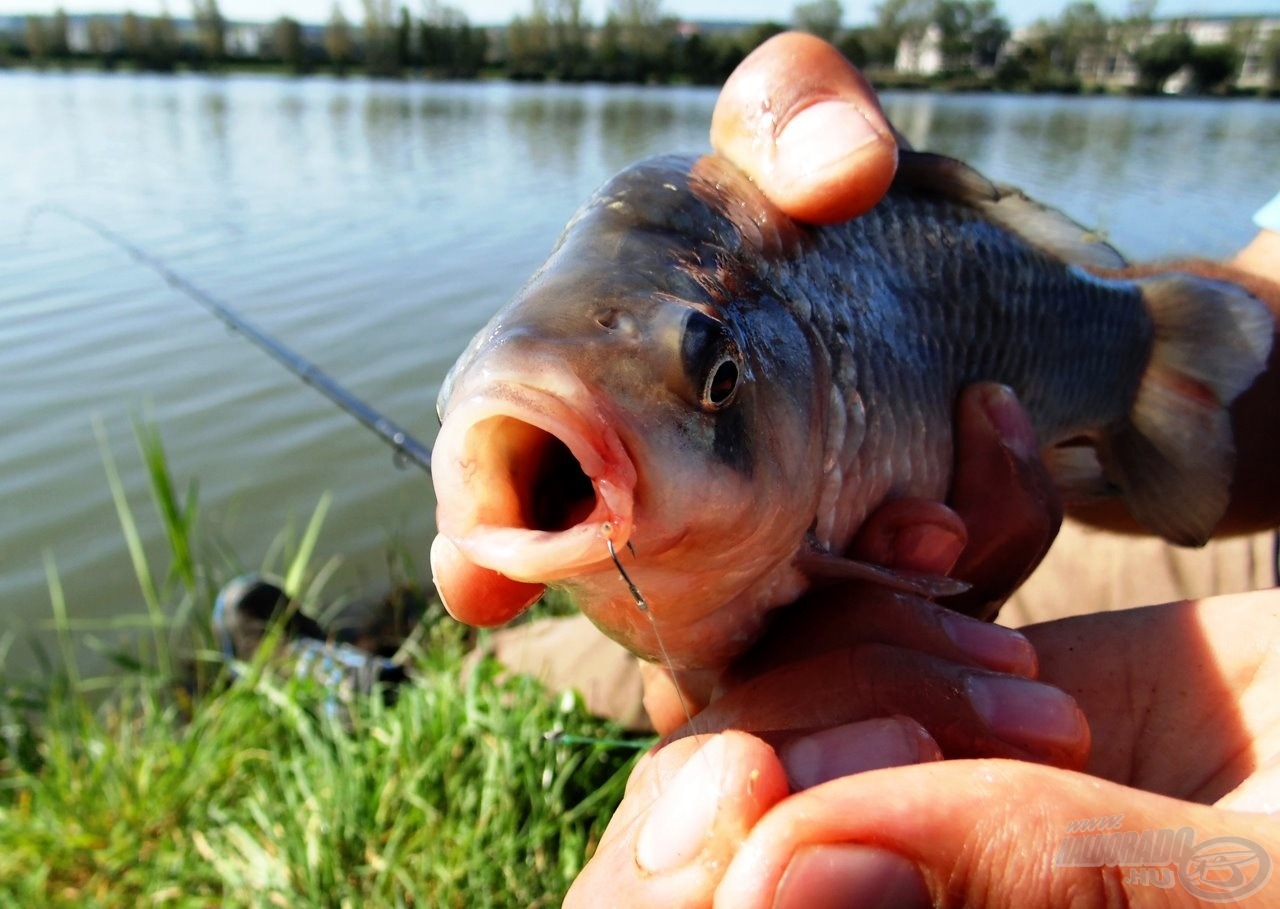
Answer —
(1113, 66)
(246, 39)
(920, 54)
(731, 27)
(79, 39)
(1253, 71)
(1118, 69)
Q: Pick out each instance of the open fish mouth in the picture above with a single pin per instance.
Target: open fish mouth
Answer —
(531, 486)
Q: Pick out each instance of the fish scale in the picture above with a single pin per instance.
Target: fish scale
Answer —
(917, 353)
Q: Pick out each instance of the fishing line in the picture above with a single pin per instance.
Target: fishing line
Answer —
(643, 605)
(408, 450)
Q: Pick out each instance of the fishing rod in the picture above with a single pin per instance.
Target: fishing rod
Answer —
(407, 448)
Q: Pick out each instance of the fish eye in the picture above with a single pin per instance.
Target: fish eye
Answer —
(722, 382)
(712, 362)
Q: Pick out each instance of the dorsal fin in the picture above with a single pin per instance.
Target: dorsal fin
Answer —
(946, 177)
(1046, 228)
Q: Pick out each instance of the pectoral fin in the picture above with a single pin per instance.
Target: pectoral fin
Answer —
(825, 566)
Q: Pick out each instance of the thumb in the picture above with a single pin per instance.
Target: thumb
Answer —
(803, 123)
(688, 806)
(999, 834)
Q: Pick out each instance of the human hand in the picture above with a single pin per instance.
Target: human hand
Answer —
(1182, 694)
(726, 795)
(1261, 257)
(857, 678)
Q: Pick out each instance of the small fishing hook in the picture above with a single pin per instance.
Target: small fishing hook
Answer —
(636, 595)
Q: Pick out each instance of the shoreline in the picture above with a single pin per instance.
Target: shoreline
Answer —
(882, 80)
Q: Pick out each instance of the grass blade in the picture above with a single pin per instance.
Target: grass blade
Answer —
(61, 627)
(176, 518)
(137, 552)
(298, 565)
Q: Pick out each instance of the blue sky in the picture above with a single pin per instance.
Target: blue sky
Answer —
(1019, 12)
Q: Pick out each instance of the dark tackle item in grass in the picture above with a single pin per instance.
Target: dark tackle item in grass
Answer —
(248, 607)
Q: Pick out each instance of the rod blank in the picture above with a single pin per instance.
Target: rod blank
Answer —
(407, 448)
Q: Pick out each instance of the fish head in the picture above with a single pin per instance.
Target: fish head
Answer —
(643, 395)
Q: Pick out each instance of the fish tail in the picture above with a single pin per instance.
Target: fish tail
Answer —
(1175, 456)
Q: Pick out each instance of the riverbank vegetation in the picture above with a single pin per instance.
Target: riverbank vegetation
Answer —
(176, 781)
(956, 44)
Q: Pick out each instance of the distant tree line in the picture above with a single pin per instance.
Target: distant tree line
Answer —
(970, 42)
(390, 42)
(1084, 47)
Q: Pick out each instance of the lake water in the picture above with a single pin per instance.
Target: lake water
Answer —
(373, 228)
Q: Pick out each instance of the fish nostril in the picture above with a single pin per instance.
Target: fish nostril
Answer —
(617, 321)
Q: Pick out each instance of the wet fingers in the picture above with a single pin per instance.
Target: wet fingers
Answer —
(853, 614)
(968, 712)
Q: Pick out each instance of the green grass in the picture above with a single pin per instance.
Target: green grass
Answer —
(157, 787)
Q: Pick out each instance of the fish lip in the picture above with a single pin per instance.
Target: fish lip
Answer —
(527, 554)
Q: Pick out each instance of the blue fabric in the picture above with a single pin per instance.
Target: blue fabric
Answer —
(1268, 217)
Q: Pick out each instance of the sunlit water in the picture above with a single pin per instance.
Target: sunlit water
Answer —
(374, 228)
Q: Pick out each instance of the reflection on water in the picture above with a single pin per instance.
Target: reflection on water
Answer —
(549, 131)
(374, 228)
(628, 122)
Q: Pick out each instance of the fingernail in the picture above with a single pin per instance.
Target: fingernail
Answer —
(853, 748)
(995, 646)
(1009, 420)
(822, 135)
(1027, 713)
(850, 876)
(930, 545)
(682, 820)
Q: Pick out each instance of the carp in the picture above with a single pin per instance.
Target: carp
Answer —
(700, 389)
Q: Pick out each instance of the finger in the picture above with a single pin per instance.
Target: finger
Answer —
(853, 614)
(662, 700)
(686, 811)
(913, 535)
(803, 123)
(670, 699)
(1260, 792)
(855, 748)
(1004, 495)
(989, 833)
(969, 712)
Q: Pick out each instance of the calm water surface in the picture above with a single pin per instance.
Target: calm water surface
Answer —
(374, 228)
